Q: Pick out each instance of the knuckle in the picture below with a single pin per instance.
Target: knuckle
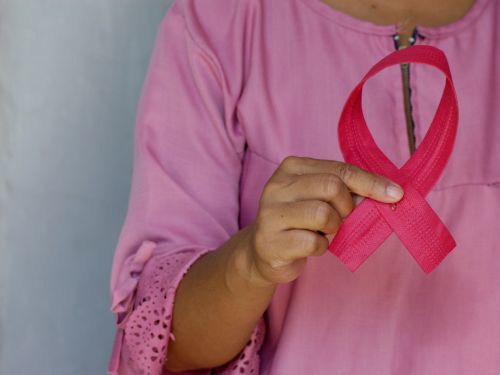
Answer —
(373, 183)
(309, 242)
(288, 181)
(290, 162)
(263, 243)
(347, 172)
(322, 246)
(272, 189)
(332, 185)
(276, 264)
(269, 188)
(320, 214)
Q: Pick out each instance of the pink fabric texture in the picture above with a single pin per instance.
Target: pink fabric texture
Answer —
(412, 219)
(235, 86)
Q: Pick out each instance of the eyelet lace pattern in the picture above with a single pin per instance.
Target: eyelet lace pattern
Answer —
(148, 327)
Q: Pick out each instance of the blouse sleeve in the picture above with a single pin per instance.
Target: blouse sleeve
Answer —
(184, 198)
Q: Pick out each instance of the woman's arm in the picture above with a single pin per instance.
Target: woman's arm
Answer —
(217, 307)
(222, 296)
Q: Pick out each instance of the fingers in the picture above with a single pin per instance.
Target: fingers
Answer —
(323, 186)
(368, 184)
(312, 215)
(294, 244)
(358, 181)
(304, 243)
(302, 207)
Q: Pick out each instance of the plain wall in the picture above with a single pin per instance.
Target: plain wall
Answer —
(70, 78)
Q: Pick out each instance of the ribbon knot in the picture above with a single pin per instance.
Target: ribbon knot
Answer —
(411, 219)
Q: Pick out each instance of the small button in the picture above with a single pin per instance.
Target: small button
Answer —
(393, 206)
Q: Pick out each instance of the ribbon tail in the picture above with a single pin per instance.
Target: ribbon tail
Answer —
(420, 229)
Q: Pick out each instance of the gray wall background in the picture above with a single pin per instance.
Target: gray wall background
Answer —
(70, 78)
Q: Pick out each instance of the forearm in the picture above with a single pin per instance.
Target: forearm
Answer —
(217, 305)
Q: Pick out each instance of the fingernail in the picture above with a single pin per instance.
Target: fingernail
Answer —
(394, 191)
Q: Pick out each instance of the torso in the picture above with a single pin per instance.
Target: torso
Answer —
(290, 66)
(388, 317)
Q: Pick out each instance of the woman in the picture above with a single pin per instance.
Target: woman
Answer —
(239, 187)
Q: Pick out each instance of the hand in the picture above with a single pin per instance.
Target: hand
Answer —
(301, 208)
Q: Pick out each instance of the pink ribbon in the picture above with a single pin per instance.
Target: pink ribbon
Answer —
(411, 219)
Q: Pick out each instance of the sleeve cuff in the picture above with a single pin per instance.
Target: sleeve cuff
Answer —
(143, 303)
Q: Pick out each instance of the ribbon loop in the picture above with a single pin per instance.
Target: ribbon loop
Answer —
(412, 219)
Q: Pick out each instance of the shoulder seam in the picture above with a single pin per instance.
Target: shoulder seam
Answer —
(199, 44)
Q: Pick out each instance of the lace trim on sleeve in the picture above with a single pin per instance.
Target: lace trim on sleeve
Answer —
(144, 304)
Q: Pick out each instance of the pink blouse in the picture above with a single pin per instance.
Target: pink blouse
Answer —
(233, 87)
